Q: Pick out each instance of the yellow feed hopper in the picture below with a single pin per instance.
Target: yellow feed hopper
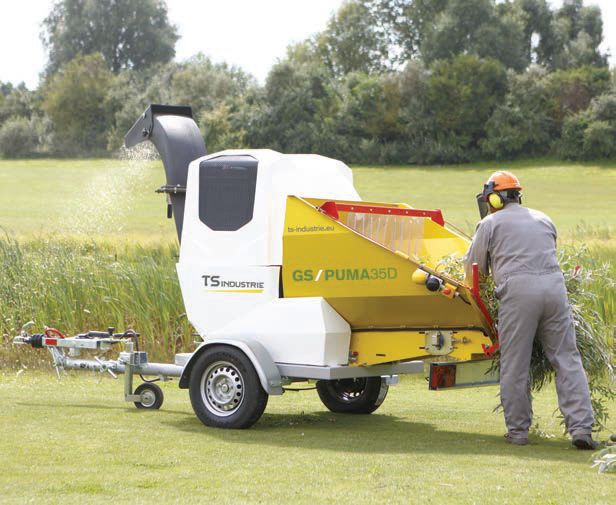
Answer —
(370, 261)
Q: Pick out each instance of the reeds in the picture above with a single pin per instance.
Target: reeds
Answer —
(76, 285)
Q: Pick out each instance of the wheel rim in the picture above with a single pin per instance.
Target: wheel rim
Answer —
(348, 390)
(148, 398)
(222, 388)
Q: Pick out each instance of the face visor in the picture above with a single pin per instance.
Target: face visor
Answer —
(482, 199)
(483, 206)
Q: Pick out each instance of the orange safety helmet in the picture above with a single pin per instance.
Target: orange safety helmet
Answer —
(503, 180)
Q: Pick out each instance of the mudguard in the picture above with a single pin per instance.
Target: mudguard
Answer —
(265, 367)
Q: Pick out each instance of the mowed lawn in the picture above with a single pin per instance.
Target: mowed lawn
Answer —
(115, 198)
(76, 441)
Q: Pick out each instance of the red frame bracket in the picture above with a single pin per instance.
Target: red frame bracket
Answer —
(332, 209)
(488, 350)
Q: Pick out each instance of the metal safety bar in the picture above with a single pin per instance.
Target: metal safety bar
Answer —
(435, 215)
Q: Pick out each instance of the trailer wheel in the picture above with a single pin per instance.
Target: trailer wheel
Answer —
(151, 396)
(353, 396)
(225, 390)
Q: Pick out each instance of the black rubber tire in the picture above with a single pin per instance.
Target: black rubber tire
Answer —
(159, 397)
(353, 396)
(254, 399)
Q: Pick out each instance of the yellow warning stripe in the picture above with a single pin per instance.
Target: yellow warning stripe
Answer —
(235, 290)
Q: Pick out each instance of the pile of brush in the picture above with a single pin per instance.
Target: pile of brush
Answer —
(585, 280)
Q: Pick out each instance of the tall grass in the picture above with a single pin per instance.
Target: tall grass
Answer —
(76, 285)
(603, 258)
(589, 281)
(596, 252)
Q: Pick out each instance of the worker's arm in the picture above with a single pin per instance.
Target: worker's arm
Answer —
(553, 229)
(478, 252)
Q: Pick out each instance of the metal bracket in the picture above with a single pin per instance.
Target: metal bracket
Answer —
(170, 189)
(438, 342)
(142, 129)
(392, 380)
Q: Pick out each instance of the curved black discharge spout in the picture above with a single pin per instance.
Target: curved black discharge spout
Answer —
(178, 141)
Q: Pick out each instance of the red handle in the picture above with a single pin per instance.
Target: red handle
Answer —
(57, 333)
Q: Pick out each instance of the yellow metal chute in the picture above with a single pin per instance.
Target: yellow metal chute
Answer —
(363, 264)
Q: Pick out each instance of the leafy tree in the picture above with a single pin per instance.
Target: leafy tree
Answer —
(571, 91)
(353, 41)
(536, 16)
(600, 140)
(18, 101)
(440, 29)
(538, 106)
(128, 33)
(406, 22)
(75, 100)
(414, 81)
(295, 111)
(578, 32)
(370, 108)
(476, 27)
(591, 133)
(204, 84)
(197, 82)
(567, 37)
(17, 138)
(515, 32)
(420, 140)
(127, 98)
(222, 128)
(305, 52)
(387, 81)
(521, 125)
(462, 93)
(5, 88)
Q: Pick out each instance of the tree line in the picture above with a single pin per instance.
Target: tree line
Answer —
(386, 81)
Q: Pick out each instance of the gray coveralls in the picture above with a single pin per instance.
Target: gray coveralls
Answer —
(519, 246)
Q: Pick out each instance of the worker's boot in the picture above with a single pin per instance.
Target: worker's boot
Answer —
(516, 440)
(584, 442)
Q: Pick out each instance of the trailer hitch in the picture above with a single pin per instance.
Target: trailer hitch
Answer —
(66, 352)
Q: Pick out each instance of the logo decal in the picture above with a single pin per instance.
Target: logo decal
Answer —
(227, 286)
(345, 274)
(308, 229)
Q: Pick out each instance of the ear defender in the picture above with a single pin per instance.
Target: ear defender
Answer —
(502, 187)
(496, 201)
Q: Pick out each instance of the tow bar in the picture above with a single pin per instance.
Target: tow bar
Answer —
(66, 352)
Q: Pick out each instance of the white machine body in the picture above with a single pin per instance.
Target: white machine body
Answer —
(231, 253)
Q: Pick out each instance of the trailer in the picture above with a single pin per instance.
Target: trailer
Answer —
(288, 276)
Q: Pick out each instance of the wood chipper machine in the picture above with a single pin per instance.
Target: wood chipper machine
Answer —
(288, 276)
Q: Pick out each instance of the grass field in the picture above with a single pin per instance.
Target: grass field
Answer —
(115, 198)
(89, 245)
(77, 442)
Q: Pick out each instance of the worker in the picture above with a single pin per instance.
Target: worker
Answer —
(517, 246)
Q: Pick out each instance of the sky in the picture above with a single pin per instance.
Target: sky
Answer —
(251, 34)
